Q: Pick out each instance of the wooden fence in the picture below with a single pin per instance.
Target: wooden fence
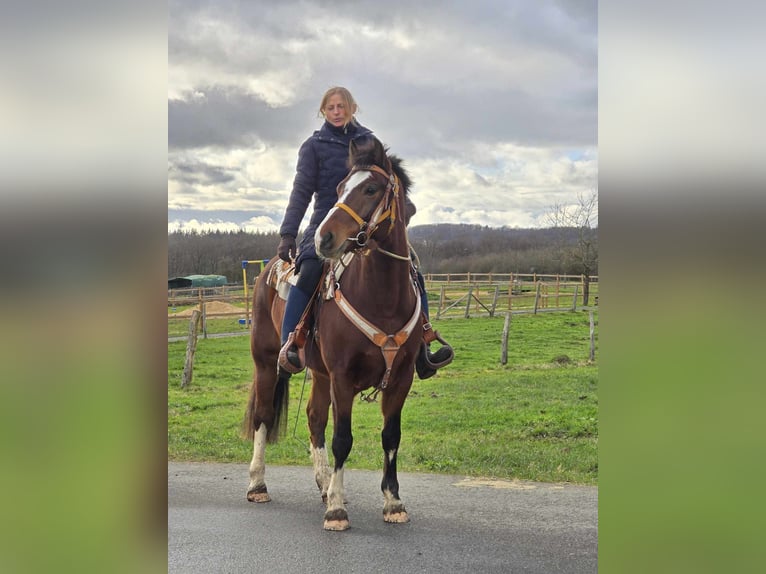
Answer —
(450, 295)
(204, 298)
(477, 294)
(219, 292)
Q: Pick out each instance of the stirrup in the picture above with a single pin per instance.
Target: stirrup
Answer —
(446, 361)
(425, 367)
(300, 355)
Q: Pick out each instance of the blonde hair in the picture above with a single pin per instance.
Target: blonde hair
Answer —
(348, 101)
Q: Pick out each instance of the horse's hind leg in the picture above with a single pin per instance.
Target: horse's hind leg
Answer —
(256, 490)
(267, 414)
(393, 509)
(317, 412)
(264, 381)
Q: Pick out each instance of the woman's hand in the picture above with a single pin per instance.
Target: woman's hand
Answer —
(286, 249)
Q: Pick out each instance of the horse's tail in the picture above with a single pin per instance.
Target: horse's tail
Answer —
(278, 424)
(281, 400)
(248, 423)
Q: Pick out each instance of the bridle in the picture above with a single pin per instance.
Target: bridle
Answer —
(385, 210)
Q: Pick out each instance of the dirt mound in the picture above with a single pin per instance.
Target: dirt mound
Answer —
(211, 308)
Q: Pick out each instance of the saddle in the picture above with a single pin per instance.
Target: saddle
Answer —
(281, 276)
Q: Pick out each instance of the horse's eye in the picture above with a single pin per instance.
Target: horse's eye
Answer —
(371, 190)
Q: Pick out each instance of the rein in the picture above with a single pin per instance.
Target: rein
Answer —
(394, 255)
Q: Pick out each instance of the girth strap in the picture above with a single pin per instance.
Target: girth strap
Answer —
(389, 344)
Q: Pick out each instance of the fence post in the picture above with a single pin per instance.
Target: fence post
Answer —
(574, 299)
(441, 303)
(537, 296)
(191, 347)
(510, 292)
(494, 301)
(204, 319)
(201, 303)
(506, 330)
(468, 302)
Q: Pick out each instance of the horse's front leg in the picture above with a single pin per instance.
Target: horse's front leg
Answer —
(393, 508)
(336, 516)
(317, 412)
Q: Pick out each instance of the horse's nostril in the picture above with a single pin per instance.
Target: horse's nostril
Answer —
(327, 240)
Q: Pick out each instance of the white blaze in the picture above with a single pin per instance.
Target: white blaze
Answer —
(352, 182)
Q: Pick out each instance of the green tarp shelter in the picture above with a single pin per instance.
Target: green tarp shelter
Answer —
(197, 281)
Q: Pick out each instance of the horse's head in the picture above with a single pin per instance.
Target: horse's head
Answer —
(369, 200)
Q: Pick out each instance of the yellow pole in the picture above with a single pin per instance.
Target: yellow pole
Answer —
(247, 299)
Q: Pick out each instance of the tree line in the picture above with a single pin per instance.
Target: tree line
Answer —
(441, 248)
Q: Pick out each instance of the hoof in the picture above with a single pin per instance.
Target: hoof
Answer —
(336, 525)
(324, 499)
(336, 520)
(258, 495)
(397, 517)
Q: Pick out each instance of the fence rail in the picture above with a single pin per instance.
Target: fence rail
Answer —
(469, 277)
(450, 295)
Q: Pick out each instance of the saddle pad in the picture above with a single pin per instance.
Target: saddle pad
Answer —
(281, 277)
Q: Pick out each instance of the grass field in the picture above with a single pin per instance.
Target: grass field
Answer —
(535, 418)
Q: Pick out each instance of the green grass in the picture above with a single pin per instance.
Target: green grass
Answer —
(535, 418)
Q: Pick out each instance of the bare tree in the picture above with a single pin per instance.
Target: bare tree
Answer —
(583, 218)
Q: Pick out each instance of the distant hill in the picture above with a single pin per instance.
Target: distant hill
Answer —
(454, 248)
(442, 248)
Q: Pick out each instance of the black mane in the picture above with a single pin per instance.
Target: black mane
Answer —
(401, 173)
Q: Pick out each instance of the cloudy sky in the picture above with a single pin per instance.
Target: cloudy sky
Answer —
(491, 103)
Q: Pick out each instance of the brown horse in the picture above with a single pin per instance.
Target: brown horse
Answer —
(366, 333)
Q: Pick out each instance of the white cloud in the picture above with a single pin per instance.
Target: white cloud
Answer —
(253, 225)
(492, 106)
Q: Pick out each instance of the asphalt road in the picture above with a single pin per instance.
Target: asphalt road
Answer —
(457, 525)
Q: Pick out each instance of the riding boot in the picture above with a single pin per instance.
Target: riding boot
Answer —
(427, 363)
(289, 358)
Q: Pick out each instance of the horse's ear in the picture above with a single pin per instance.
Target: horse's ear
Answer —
(381, 158)
(353, 153)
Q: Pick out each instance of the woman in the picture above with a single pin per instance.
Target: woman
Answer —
(321, 167)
